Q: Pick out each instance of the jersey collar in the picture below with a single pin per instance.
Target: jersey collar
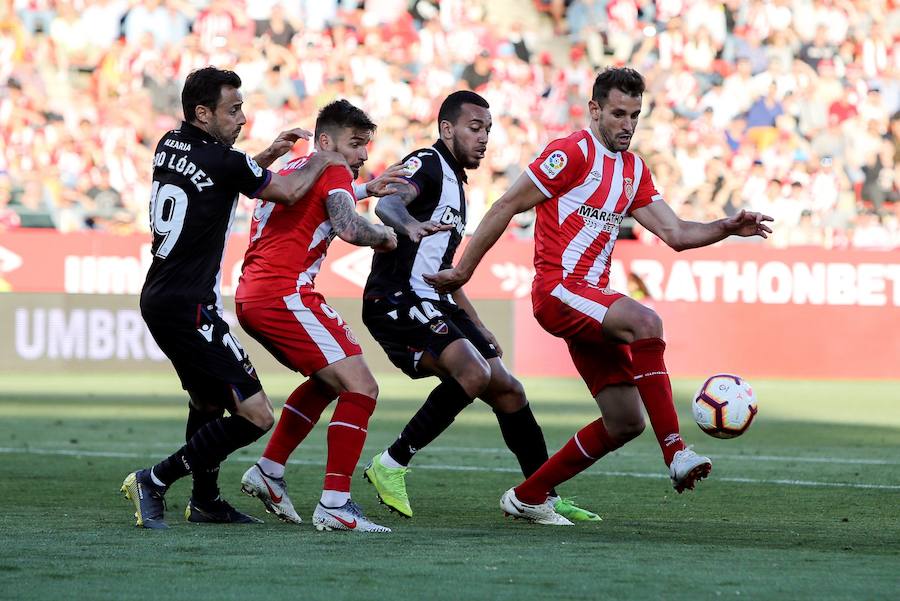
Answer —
(195, 132)
(599, 144)
(451, 160)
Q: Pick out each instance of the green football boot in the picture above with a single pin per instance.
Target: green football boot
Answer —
(568, 509)
(390, 485)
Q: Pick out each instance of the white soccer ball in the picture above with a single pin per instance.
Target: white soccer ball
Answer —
(724, 406)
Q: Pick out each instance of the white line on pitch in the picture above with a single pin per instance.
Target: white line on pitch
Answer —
(495, 451)
(467, 468)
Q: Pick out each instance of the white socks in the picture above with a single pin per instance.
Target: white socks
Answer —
(270, 468)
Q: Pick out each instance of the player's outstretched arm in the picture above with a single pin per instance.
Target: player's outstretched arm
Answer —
(389, 182)
(680, 235)
(393, 211)
(288, 189)
(352, 228)
(282, 144)
(521, 196)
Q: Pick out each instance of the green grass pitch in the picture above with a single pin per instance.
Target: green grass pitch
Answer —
(806, 505)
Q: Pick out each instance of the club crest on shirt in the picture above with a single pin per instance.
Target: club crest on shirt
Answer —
(629, 188)
(350, 335)
(554, 163)
(439, 327)
(412, 165)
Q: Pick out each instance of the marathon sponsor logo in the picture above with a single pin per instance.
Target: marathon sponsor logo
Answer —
(554, 164)
(598, 219)
(184, 146)
(180, 164)
(451, 216)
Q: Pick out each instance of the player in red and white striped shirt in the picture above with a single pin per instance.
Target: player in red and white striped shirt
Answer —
(278, 305)
(582, 187)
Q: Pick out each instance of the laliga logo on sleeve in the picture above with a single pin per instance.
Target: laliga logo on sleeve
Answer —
(554, 163)
(412, 165)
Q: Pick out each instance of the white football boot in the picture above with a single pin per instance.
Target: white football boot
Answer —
(272, 492)
(539, 514)
(688, 468)
(348, 516)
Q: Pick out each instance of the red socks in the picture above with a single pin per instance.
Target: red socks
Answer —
(652, 381)
(301, 412)
(346, 437)
(581, 452)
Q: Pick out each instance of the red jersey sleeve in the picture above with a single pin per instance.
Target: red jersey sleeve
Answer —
(646, 190)
(336, 178)
(560, 167)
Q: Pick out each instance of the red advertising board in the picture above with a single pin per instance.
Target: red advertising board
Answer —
(744, 307)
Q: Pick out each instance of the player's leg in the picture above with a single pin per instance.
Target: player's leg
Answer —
(522, 434)
(205, 482)
(631, 322)
(622, 420)
(464, 374)
(216, 371)
(302, 336)
(265, 479)
(346, 437)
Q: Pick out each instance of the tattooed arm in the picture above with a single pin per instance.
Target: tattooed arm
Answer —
(352, 228)
(392, 211)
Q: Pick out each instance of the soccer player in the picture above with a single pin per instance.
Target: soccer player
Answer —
(197, 176)
(279, 306)
(582, 187)
(429, 334)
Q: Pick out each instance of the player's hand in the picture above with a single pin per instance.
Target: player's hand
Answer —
(446, 281)
(748, 223)
(286, 140)
(424, 229)
(389, 181)
(329, 158)
(492, 340)
(390, 243)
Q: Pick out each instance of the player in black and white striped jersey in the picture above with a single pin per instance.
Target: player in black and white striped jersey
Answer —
(429, 334)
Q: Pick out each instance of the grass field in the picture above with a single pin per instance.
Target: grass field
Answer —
(805, 506)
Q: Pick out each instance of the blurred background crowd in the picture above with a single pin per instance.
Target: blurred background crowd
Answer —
(789, 107)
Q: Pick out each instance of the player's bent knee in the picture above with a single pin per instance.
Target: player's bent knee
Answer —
(474, 380)
(647, 324)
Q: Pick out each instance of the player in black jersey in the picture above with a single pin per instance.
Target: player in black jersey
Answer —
(429, 334)
(197, 177)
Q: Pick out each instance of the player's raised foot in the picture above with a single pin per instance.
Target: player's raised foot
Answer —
(687, 468)
(217, 511)
(542, 513)
(148, 498)
(390, 485)
(569, 510)
(348, 516)
(272, 492)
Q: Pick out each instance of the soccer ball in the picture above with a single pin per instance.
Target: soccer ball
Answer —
(724, 406)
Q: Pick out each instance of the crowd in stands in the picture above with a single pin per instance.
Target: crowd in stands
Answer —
(789, 107)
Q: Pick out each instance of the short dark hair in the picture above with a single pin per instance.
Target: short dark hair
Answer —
(340, 114)
(628, 81)
(203, 87)
(451, 108)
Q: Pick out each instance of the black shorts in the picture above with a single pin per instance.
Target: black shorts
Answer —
(406, 326)
(211, 363)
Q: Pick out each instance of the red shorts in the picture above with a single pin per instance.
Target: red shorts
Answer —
(574, 312)
(300, 330)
